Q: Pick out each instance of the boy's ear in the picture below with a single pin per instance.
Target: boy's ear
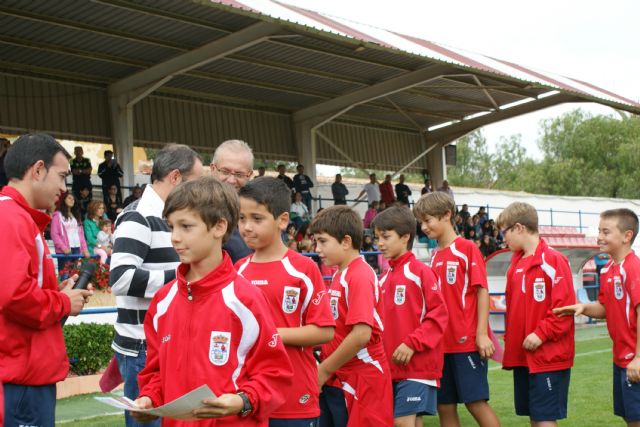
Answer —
(346, 242)
(628, 235)
(220, 228)
(283, 221)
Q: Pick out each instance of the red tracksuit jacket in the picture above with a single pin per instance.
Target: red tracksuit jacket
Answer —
(536, 285)
(416, 315)
(224, 337)
(32, 349)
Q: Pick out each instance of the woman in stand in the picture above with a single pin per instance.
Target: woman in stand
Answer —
(67, 232)
(95, 214)
(113, 203)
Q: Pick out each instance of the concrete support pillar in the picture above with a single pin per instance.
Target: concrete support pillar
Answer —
(436, 166)
(122, 131)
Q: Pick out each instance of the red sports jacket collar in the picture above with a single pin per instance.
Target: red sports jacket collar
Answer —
(401, 260)
(536, 259)
(40, 218)
(217, 279)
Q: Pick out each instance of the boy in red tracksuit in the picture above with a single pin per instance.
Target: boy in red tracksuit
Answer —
(539, 346)
(354, 373)
(460, 269)
(619, 303)
(210, 326)
(294, 290)
(417, 318)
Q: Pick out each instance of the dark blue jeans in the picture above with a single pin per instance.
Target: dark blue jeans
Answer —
(29, 405)
(129, 368)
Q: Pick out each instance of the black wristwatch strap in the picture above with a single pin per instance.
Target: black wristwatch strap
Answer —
(246, 404)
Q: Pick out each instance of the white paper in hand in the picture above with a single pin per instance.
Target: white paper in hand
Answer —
(179, 409)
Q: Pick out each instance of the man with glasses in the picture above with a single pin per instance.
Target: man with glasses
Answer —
(233, 163)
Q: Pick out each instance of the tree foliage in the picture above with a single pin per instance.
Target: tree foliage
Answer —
(583, 155)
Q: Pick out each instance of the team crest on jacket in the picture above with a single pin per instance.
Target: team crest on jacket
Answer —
(219, 347)
(617, 287)
(400, 295)
(452, 268)
(334, 307)
(290, 299)
(539, 289)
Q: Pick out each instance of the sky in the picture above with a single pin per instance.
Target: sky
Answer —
(590, 40)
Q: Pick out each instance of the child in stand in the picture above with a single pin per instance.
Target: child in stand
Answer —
(619, 303)
(460, 269)
(412, 298)
(539, 346)
(210, 325)
(354, 374)
(294, 291)
(104, 239)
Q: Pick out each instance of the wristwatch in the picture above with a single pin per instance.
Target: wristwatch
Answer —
(246, 404)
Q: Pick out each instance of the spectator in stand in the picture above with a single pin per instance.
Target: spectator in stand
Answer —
(67, 232)
(370, 214)
(81, 170)
(105, 239)
(386, 191)
(136, 193)
(459, 224)
(487, 228)
(339, 191)
(261, 172)
(302, 184)
(464, 213)
(427, 187)
(487, 245)
(305, 245)
(372, 189)
(290, 232)
(112, 203)
(281, 175)
(4, 146)
(299, 214)
(83, 201)
(368, 245)
(95, 214)
(403, 191)
(446, 189)
(498, 238)
(110, 172)
(482, 215)
(381, 206)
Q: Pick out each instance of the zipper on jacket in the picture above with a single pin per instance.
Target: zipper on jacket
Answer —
(189, 296)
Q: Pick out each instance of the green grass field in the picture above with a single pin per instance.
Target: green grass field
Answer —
(590, 399)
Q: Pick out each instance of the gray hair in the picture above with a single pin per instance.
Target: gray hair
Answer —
(234, 145)
(171, 157)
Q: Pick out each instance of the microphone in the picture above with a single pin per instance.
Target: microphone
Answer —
(86, 272)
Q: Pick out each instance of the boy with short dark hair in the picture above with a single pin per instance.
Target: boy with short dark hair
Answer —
(354, 374)
(460, 269)
(295, 292)
(619, 303)
(209, 325)
(412, 298)
(539, 346)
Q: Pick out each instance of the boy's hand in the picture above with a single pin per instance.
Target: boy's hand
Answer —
(532, 342)
(323, 376)
(633, 370)
(225, 405)
(485, 346)
(143, 403)
(569, 310)
(402, 355)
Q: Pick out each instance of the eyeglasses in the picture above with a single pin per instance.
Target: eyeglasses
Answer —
(237, 175)
(507, 229)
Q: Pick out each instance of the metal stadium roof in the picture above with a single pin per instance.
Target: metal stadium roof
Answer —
(61, 62)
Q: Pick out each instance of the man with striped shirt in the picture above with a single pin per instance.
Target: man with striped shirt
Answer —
(143, 260)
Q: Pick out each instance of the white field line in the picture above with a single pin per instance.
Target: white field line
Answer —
(587, 353)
